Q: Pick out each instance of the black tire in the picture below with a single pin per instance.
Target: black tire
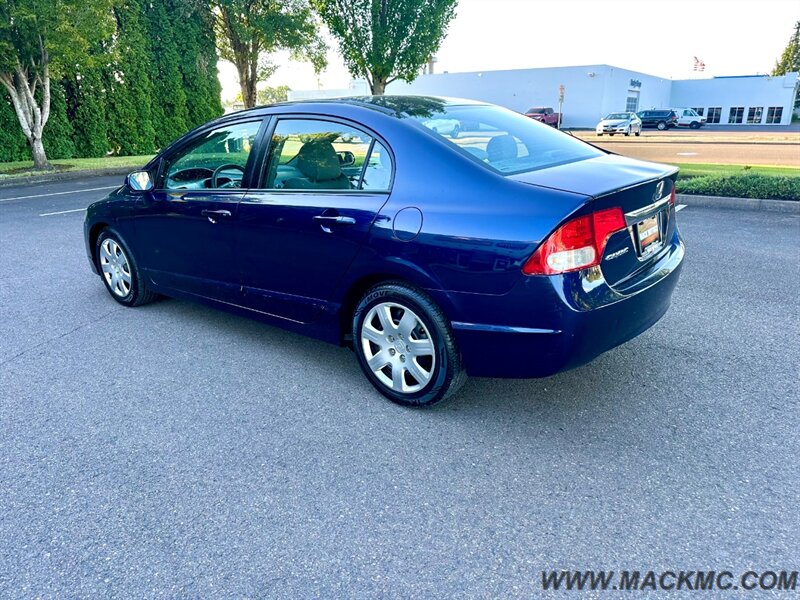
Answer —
(447, 375)
(611, 134)
(138, 293)
(638, 132)
(694, 125)
(661, 125)
(628, 132)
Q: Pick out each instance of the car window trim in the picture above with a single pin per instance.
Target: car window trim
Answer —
(267, 139)
(164, 161)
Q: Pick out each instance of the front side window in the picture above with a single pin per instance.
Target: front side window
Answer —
(217, 160)
(500, 139)
(307, 154)
(735, 115)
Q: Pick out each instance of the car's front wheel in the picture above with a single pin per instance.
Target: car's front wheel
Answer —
(405, 346)
(118, 269)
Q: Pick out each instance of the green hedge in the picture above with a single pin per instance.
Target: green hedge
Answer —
(742, 186)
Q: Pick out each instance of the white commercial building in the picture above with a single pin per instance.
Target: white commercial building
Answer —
(593, 91)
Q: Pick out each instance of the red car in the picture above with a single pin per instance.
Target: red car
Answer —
(544, 114)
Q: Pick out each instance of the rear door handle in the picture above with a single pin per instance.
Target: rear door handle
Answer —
(328, 221)
(213, 215)
(331, 220)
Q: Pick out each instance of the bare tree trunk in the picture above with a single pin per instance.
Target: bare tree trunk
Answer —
(22, 85)
(378, 86)
(39, 156)
(248, 79)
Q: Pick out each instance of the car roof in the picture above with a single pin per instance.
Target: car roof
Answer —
(398, 106)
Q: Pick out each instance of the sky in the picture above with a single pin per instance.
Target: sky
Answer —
(658, 37)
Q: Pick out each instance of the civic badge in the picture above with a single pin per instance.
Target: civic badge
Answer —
(659, 191)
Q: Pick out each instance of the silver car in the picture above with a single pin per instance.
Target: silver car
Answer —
(622, 122)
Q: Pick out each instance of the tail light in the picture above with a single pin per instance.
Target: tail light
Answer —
(672, 196)
(577, 244)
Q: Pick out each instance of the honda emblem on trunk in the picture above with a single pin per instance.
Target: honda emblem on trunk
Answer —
(659, 191)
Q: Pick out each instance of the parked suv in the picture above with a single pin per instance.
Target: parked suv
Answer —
(661, 119)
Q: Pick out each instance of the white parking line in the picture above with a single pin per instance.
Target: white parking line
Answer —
(680, 207)
(107, 187)
(61, 212)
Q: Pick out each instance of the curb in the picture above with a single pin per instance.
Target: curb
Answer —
(64, 176)
(780, 206)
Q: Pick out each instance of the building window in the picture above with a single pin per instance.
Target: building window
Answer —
(736, 114)
(713, 114)
(754, 114)
(699, 111)
(774, 114)
(632, 104)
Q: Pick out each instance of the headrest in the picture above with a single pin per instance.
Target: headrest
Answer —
(318, 161)
(502, 147)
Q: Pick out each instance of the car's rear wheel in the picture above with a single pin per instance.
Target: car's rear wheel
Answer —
(661, 125)
(119, 272)
(405, 346)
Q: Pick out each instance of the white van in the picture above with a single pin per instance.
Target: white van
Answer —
(688, 117)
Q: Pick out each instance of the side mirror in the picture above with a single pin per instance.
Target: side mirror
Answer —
(140, 181)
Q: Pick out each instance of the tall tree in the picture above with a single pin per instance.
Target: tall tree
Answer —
(789, 62)
(39, 41)
(198, 59)
(128, 83)
(249, 30)
(169, 110)
(86, 108)
(385, 40)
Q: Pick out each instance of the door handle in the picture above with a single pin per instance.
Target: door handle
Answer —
(213, 215)
(331, 220)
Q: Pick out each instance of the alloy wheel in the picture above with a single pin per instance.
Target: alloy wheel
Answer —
(115, 267)
(398, 347)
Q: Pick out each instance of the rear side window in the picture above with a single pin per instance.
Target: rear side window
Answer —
(502, 140)
(310, 154)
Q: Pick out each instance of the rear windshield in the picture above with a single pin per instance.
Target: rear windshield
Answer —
(502, 140)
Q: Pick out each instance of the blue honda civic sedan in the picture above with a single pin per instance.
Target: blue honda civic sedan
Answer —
(495, 246)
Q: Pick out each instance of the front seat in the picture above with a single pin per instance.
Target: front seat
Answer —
(318, 162)
(501, 148)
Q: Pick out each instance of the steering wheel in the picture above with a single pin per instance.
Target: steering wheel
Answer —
(222, 168)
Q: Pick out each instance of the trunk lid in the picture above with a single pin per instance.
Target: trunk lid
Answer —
(641, 189)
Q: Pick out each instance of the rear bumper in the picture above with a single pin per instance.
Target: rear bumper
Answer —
(550, 324)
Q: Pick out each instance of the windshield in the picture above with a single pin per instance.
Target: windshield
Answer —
(538, 111)
(617, 116)
(503, 140)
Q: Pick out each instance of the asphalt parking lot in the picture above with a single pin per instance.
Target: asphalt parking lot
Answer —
(177, 451)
